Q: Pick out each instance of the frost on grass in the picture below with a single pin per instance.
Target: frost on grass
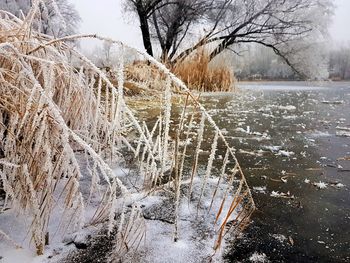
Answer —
(64, 126)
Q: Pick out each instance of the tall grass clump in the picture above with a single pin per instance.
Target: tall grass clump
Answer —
(199, 74)
(64, 125)
(53, 118)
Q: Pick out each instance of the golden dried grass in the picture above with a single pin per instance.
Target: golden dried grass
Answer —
(199, 74)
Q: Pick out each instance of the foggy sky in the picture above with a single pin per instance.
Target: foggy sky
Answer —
(106, 18)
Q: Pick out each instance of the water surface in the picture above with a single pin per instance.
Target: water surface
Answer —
(287, 137)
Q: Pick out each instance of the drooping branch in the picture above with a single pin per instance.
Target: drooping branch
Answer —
(279, 53)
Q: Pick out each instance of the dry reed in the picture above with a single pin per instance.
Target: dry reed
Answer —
(199, 74)
(59, 125)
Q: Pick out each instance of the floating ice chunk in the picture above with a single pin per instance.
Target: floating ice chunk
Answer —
(290, 117)
(273, 149)
(258, 258)
(275, 194)
(281, 194)
(321, 185)
(333, 102)
(241, 130)
(342, 133)
(287, 107)
(318, 134)
(342, 128)
(260, 189)
(279, 237)
(285, 153)
(339, 185)
(224, 131)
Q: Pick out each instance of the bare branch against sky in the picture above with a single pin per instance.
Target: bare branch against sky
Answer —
(107, 18)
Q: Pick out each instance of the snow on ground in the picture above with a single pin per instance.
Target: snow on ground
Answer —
(196, 223)
(17, 247)
(197, 230)
(61, 230)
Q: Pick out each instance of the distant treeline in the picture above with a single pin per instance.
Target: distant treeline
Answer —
(259, 63)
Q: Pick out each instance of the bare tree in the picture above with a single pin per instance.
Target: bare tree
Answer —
(172, 23)
(276, 24)
(144, 10)
(271, 23)
(339, 65)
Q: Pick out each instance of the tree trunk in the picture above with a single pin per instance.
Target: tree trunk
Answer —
(146, 37)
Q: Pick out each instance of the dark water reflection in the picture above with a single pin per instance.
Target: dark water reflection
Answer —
(300, 119)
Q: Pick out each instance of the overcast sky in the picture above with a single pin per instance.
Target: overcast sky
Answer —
(106, 18)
